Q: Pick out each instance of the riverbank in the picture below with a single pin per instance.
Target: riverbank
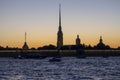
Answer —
(62, 53)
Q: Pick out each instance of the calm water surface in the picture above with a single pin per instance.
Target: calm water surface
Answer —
(70, 68)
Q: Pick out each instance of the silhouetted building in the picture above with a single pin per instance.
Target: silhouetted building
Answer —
(60, 33)
(77, 46)
(101, 45)
(78, 40)
(25, 46)
(47, 47)
(88, 47)
(1, 48)
(118, 47)
(69, 47)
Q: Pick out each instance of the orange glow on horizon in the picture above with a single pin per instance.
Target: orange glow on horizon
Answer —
(39, 42)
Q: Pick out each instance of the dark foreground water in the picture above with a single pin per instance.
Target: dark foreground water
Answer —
(97, 68)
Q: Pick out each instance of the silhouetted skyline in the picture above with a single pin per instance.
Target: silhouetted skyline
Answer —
(39, 18)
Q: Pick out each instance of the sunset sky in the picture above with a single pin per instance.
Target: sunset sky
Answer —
(90, 19)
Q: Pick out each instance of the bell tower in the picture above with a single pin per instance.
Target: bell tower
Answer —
(77, 40)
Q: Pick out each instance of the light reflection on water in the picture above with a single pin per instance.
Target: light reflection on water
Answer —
(69, 68)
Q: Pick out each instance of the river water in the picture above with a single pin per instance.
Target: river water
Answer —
(70, 68)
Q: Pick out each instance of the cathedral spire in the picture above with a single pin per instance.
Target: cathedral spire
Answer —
(59, 33)
(60, 17)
